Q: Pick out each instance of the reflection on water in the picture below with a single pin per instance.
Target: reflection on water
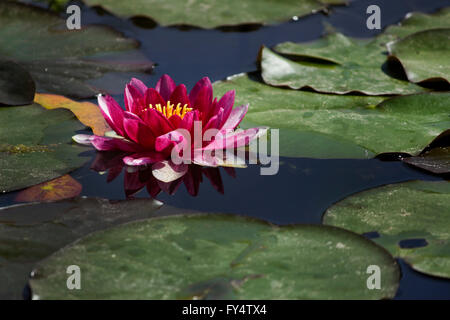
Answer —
(137, 178)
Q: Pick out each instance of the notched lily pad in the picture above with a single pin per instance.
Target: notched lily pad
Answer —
(357, 66)
(16, 85)
(217, 256)
(65, 61)
(214, 13)
(411, 210)
(36, 145)
(31, 232)
(424, 55)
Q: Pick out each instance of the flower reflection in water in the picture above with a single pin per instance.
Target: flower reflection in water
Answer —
(137, 178)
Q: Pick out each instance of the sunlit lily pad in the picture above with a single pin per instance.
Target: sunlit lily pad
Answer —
(16, 85)
(333, 64)
(424, 55)
(335, 126)
(88, 113)
(60, 60)
(35, 145)
(217, 257)
(214, 13)
(415, 212)
(31, 232)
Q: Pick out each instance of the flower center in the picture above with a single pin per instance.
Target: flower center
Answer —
(170, 109)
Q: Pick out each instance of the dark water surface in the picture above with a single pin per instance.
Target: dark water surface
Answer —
(304, 188)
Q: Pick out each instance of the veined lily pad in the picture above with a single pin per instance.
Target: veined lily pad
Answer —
(424, 55)
(217, 257)
(214, 13)
(16, 85)
(333, 64)
(332, 126)
(31, 232)
(409, 211)
(60, 60)
(35, 145)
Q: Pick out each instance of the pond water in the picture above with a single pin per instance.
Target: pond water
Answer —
(304, 188)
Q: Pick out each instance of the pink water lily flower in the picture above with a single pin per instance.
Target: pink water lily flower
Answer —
(149, 127)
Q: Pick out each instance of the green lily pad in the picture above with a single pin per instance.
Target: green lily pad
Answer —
(31, 232)
(214, 13)
(65, 61)
(16, 85)
(416, 22)
(217, 257)
(405, 211)
(341, 126)
(424, 55)
(333, 64)
(35, 145)
(435, 158)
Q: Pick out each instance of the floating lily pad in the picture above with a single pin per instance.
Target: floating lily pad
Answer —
(416, 211)
(88, 113)
(425, 55)
(435, 158)
(333, 64)
(341, 126)
(31, 232)
(57, 189)
(217, 257)
(416, 22)
(214, 13)
(16, 85)
(436, 161)
(60, 60)
(35, 145)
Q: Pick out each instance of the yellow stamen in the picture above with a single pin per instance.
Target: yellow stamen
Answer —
(170, 109)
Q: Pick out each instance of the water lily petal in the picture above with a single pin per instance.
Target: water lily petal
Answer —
(139, 85)
(165, 86)
(157, 122)
(179, 95)
(167, 141)
(112, 112)
(84, 139)
(227, 139)
(235, 117)
(139, 132)
(203, 102)
(111, 144)
(133, 99)
(202, 83)
(227, 102)
(142, 158)
(167, 171)
(152, 97)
